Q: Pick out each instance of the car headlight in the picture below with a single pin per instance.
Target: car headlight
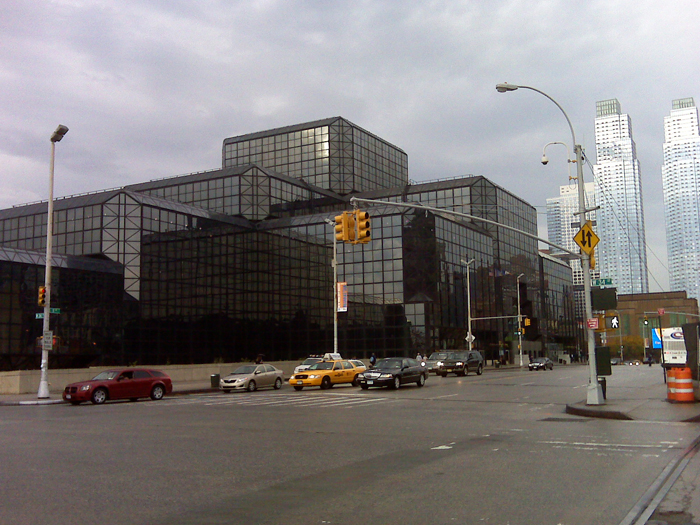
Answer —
(85, 387)
(386, 376)
(314, 376)
(459, 363)
(439, 363)
(360, 376)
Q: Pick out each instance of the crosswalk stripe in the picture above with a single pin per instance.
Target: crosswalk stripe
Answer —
(273, 400)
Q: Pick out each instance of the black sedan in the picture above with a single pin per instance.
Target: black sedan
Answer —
(541, 363)
(394, 372)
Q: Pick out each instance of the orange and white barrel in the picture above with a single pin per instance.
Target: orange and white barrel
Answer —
(684, 386)
(671, 384)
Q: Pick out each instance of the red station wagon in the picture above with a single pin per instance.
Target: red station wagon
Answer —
(124, 383)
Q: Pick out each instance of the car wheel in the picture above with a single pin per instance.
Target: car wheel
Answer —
(480, 369)
(297, 388)
(252, 387)
(99, 396)
(421, 380)
(157, 393)
(355, 382)
(444, 374)
(364, 387)
(278, 383)
(326, 383)
(397, 383)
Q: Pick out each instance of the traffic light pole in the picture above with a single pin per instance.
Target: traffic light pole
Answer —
(334, 264)
(335, 296)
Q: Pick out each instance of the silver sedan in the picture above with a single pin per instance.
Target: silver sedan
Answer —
(252, 377)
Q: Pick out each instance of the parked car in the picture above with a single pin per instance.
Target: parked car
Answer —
(394, 372)
(252, 377)
(615, 361)
(434, 360)
(326, 374)
(541, 363)
(122, 383)
(635, 362)
(361, 366)
(307, 363)
(461, 363)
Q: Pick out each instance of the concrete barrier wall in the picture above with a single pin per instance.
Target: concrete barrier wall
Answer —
(27, 381)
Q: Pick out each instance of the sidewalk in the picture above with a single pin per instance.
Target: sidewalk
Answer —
(649, 404)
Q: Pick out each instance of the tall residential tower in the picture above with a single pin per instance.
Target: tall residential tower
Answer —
(563, 224)
(681, 184)
(621, 254)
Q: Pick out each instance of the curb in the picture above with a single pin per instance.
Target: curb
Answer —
(593, 412)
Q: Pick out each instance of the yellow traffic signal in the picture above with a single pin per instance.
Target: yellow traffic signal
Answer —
(345, 227)
(527, 321)
(363, 227)
(42, 296)
(341, 228)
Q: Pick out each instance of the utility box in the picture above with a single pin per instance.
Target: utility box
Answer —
(602, 361)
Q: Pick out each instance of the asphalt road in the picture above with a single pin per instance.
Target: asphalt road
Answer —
(491, 449)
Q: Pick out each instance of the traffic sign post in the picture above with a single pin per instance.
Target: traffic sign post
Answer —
(586, 238)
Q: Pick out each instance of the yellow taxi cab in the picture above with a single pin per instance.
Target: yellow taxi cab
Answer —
(326, 374)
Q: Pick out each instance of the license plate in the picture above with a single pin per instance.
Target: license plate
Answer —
(300, 382)
(67, 396)
(449, 370)
(370, 382)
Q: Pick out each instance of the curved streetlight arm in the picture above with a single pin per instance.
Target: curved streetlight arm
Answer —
(502, 88)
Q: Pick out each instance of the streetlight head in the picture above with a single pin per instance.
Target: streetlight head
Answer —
(502, 88)
(58, 134)
(545, 160)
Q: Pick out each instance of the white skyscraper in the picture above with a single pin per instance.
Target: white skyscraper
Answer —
(563, 224)
(621, 254)
(681, 185)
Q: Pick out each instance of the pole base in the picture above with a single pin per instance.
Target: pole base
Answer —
(43, 390)
(595, 395)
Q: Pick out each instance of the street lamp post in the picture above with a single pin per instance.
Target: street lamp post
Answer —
(470, 337)
(520, 326)
(594, 392)
(43, 392)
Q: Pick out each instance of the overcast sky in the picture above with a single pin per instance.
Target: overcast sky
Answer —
(149, 89)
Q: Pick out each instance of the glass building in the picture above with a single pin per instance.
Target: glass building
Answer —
(621, 254)
(563, 223)
(233, 262)
(86, 291)
(681, 178)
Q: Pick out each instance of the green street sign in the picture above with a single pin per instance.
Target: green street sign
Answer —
(55, 310)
